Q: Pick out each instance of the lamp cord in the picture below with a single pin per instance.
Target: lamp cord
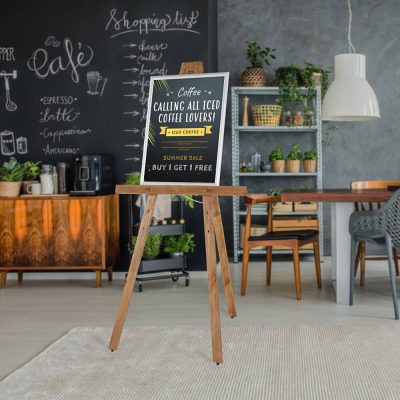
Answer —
(351, 47)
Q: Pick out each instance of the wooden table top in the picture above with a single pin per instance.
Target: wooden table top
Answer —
(197, 190)
(337, 195)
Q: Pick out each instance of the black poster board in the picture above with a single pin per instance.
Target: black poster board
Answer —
(185, 129)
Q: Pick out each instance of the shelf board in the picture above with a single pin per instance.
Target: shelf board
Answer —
(265, 90)
(297, 174)
(267, 129)
(276, 213)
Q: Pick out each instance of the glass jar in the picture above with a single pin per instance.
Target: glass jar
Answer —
(309, 118)
(287, 118)
(298, 119)
(46, 179)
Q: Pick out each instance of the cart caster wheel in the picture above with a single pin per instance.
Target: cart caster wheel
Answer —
(140, 287)
(174, 278)
(187, 282)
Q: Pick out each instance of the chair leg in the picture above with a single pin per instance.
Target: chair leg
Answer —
(110, 273)
(362, 264)
(392, 276)
(296, 264)
(20, 277)
(317, 263)
(269, 264)
(352, 268)
(245, 267)
(396, 261)
(357, 261)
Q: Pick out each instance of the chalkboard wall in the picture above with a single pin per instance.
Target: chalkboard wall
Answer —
(82, 75)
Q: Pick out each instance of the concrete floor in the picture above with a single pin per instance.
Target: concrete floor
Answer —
(45, 307)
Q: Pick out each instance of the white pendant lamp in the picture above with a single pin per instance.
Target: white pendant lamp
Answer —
(350, 97)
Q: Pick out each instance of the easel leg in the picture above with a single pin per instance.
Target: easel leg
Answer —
(223, 255)
(212, 280)
(133, 269)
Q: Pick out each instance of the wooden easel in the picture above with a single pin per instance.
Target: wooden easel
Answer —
(213, 230)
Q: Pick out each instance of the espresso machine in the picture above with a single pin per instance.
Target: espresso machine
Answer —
(92, 175)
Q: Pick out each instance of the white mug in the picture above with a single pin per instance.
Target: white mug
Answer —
(34, 188)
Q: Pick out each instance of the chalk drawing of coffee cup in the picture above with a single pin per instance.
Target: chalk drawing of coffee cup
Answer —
(94, 78)
(7, 141)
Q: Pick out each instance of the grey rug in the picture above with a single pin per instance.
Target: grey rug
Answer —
(261, 362)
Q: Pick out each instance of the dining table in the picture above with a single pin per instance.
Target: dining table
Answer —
(342, 206)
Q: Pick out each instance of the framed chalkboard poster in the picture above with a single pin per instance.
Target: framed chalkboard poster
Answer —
(185, 129)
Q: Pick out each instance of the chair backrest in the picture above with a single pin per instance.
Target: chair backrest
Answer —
(253, 199)
(371, 185)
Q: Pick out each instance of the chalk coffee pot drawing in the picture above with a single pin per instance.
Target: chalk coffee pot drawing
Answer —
(9, 145)
(10, 105)
(94, 78)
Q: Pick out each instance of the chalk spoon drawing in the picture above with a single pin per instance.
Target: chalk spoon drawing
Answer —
(93, 79)
(10, 105)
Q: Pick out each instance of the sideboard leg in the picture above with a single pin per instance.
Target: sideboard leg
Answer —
(110, 272)
(20, 277)
(3, 279)
(98, 278)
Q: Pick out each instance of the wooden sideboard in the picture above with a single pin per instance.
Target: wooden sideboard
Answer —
(58, 233)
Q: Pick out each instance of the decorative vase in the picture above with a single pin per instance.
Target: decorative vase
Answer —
(10, 189)
(310, 165)
(252, 76)
(278, 166)
(293, 166)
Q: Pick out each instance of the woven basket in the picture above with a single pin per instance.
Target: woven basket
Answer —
(266, 114)
(254, 77)
(10, 189)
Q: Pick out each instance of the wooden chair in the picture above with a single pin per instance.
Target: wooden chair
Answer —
(293, 239)
(360, 253)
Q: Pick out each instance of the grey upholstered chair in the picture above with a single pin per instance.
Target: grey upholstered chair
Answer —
(383, 227)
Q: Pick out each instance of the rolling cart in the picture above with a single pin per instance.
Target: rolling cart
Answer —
(163, 267)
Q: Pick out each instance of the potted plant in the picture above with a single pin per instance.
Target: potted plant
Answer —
(277, 160)
(151, 247)
(310, 161)
(176, 246)
(11, 174)
(315, 75)
(31, 174)
(294, 158)
(255, 75)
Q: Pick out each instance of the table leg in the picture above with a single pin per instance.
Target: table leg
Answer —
(132, 273)
(341, 243)
(223, 255)
(212, 280)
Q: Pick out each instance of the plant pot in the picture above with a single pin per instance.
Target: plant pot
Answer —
(10, 189)
(149, 257)
(25, 185)
(310, 165)
(176, 255)
(254, 77)
(293, 166)
(278, 166)
(317, 79)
